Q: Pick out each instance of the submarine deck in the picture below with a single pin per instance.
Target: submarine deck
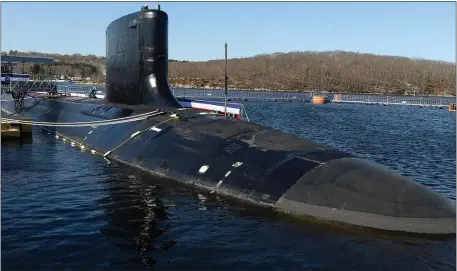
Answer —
(265, 139)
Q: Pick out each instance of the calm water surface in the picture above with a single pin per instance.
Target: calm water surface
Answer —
(67, 209)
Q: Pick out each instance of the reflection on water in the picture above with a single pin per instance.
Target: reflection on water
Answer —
(16, 142)
(137, 217)
(67, 209)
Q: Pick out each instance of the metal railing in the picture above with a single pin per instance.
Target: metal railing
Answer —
(394, 100)
(246, 95)
(43, 83)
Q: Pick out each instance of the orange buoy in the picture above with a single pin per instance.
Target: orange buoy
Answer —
(319, 100)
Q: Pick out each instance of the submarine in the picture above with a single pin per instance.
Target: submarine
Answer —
(228, 156)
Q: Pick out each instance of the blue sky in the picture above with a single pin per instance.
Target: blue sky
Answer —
(198, 30)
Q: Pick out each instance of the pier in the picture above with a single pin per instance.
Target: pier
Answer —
(233, 95)
(421, 101)
(12, 130)
(47, 84)
(286, 96)
(20, 82)
(44, 85)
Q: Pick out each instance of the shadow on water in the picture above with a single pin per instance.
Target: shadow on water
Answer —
(136, 216)
(16, 143)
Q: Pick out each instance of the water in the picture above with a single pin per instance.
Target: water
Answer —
(67, 209)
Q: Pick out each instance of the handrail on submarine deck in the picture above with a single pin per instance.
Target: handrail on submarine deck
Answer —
(86, 123)
(245, 112)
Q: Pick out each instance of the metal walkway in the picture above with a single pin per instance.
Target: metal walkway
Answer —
(43, 85)
(424, 101)
(243, 95)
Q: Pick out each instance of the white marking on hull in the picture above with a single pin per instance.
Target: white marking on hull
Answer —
(203, 169)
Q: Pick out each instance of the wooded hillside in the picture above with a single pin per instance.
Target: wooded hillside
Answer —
(335, 71)
(74, 65)
(328, 71)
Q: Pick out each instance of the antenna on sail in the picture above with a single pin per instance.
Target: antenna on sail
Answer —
(158, 5)
(225, 96)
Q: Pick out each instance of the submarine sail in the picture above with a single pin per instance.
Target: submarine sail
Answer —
(137, 60)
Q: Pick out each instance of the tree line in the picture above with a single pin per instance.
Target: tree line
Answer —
(335, 71)
(75, 65)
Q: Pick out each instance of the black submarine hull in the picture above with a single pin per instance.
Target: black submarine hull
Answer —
(262, 166)
(229, 156)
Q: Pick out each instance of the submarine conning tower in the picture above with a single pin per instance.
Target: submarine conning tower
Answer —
(137, 59)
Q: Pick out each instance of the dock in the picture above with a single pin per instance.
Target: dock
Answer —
(420, 101)
(11, 130)
(278, 96)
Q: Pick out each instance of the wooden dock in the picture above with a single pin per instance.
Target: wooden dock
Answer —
(11, 130)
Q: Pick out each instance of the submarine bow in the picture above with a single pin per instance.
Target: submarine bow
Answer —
(137, 60)
(232, 157)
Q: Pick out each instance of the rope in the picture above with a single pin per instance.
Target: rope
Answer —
(13, 100)
(97, 121)
(137, 133)
(89, 123)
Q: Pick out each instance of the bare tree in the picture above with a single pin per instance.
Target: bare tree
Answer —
(335, 71)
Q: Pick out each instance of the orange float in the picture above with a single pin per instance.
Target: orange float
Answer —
(319, 100)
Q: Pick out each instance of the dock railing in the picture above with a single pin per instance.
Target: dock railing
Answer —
(287, 96)
(438, 101)
(44, 84)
